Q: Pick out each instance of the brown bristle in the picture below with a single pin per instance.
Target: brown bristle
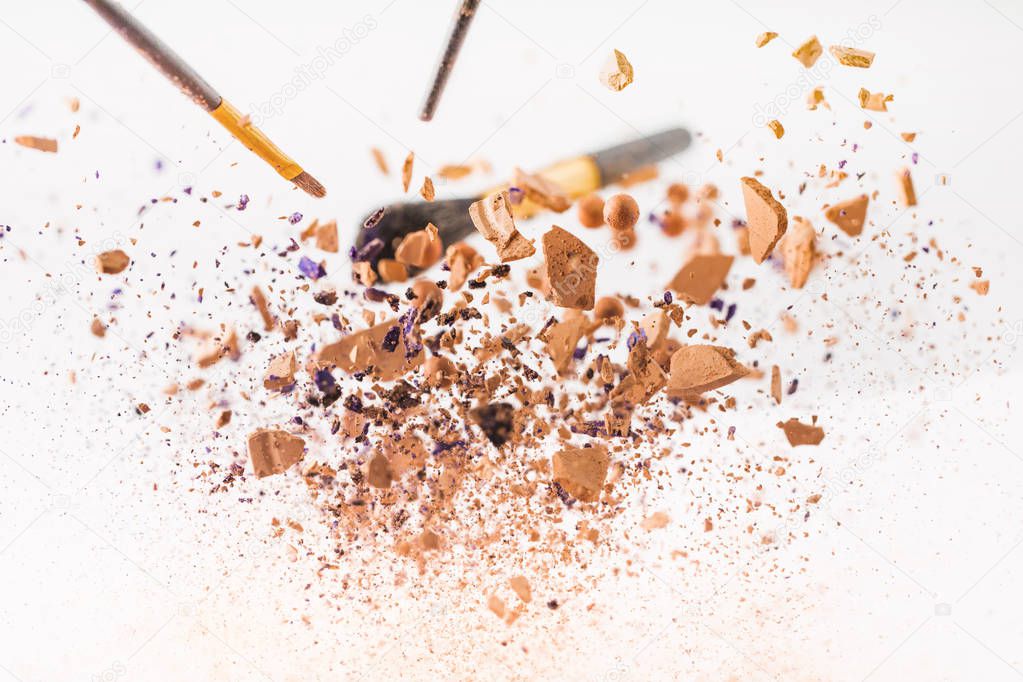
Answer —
(310, 184)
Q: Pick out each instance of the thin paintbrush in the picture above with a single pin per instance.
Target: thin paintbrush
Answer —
(575, 177)
(459, 28)
(203, 94)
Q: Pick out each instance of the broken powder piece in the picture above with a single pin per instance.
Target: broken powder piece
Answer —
(801, 434)
(43, 144)
(326, 237)
(495, 604)
(421, 248)
(581, 471)
(776, 384)
(281, 372)
(644, 380)
(850, 56)
(816, 98)
(655, 326)
(874, 101)
(908, 137)
(493, 218)
(406, 170)
(372, 349)
(562, 338)
(777, 128)
(798, 251)
(654, 521)
(381, 162)
(378, 472)
(765, 37)
(765, 216)
(697, 369)
(905, 187)
(542, 191)
(617, 72)
(571, 269)
(462, 260)
(454, 172)
(427, 191)
(363, 273)
(520, 586)
(112, 262)
(758, 336)
(849, 215)
(272, 451)
(809, 52)
(981, 286)
(496, 420)
(97, 328)
(217, 347)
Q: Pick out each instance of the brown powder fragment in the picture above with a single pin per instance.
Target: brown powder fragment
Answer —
(462, 260)
(421, 248)
(701, 368)
(849, 215)
(815, 98)
(644, 380)
(363, 273)
(701, 277)
(454, 172)
(617, 72)
(378, 472)
(809, 52)
(801, 434)
(758, 336)
(765, 216)
(765, 37)
(777, 128)
(98, 328)
(43, 144)
(571, 269)
(391, 270)
(776, 384)
(981, 286)
(281, 372)
(223, 419)
(542, 191)
(380, 160)
(493, 218)
(907, 195)
(495, 604)
(581, 471)
(427, 191)
(850, 56)
(273, 451)
(520, 586)
(562, 338)
(874, 101)
(798, 251)
(326, 237)
(112, 262)
(908, 137)
(360, 351)
(406, 171)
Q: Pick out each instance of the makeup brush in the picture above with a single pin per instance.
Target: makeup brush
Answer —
(459, 27)
(575, 177)
(203, 94)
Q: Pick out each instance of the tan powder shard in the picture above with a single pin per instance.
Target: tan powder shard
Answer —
(849, 215)
(907, 195)
(97, 328)
(112, 262)
(908, 137)
(381, 162)
(421, 248)
(43, 144)
(801, 434)
(644, 380)
(798, 251)
(454, 172)
(874, 101)
(776, 384)
(542, 191)
(378, 472)
(461, 260)
(326, 237)
(581, 471)
(701, 368)
(809, 52)
(362, 350)
(816, 98)
(617, 72)
(777, 128)
(493, 218)
(850, 56)
(281, 372)
(981, 286)
(701, 277)
(571, 269)
(406, 170)
(427, 191)
(520, 586)
(655, 521)
(765, 216)
(562, 338)
(272, 451)
(765, 37)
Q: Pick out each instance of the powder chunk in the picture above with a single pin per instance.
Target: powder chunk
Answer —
(644, 380)
(765, 37)
(326, 236)
(981, 286)
(696, 369)
(766, 217)
(849, 215)
(493, 218)
(542, 191)
(363, 350)
(581, 471)
(421, 248)
(562, 338)
(112, 262)
(281, 372)
(378, 472)
(777, 128)
(43, 144)
(571, 269)
(850, 56)
(797, 251)
(874, 101)
(496, 420)
(815, 98)
(617, 72)
(427, 191)
(461, 260)
(521, 587)
(801, 434)
(406, 170)
(259, 300)
(905, 185)
(809, 52)
(776, 384)
(272, 451)
(701, 277)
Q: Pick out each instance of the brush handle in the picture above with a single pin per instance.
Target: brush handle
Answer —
(615, 162)
(157, 52)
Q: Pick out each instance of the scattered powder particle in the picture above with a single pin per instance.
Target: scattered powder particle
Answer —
(421, 248)
(617, 72)
(801, 434)
(326, 237)
(809, 52)
(765, 216)
(701, 368)
(365, 350)
(112, 262)
(816, 98)
(849, 215)
(908, 137)
(981, 286)
(850, 56)
(406, 171)
(571, 269)
(777, 128)
(765, 37)
(493, 218)
(391, 270)
(98, 328)
(281, 372)
(701, 277)
(43, 144)
(907, 195)
(776, 384)
(520, 586)
(581, 471)
(380, 160)
(427, 191)
(874, 101)
(656, 520)
(462, 260)
(798, 251)
(272, 451)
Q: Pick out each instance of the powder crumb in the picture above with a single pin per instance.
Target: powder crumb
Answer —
(617, 73)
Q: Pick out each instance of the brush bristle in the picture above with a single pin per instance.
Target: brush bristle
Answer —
(310, 184)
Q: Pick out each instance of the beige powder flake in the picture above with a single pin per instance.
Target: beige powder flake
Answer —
(273, 451)
(809, 52)
(281, 372)
(816, 98)
(907, 194)
(581, 471)
(520, 586)
(326, 237)
(765, 216)
(799, 433)
(617, 72)
(427, 191)
(701, 277)
(492, 216)
(112, 262)
(462, 260)
(777, 128)
(765, 37)
(874, 101)
(850, 56)
(776, 384)
(406, 171)
(421, 248)
(798, 251)
(43, 144)
(571, 269)
(363, 350)
(849, 215)
(380, 160)
(701, 368)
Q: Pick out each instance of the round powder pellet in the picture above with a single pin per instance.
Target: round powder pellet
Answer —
(608, 307)
(621, 212)
(591, 210)
(678, 193)
(673, 224)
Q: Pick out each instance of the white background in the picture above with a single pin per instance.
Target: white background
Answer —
(112, 565)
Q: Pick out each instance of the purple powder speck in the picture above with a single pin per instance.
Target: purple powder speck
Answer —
(841, 164)
(295, 218)
(311, 268)
(243, 202)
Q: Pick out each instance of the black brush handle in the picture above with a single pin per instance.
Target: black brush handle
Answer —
(623, 159)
